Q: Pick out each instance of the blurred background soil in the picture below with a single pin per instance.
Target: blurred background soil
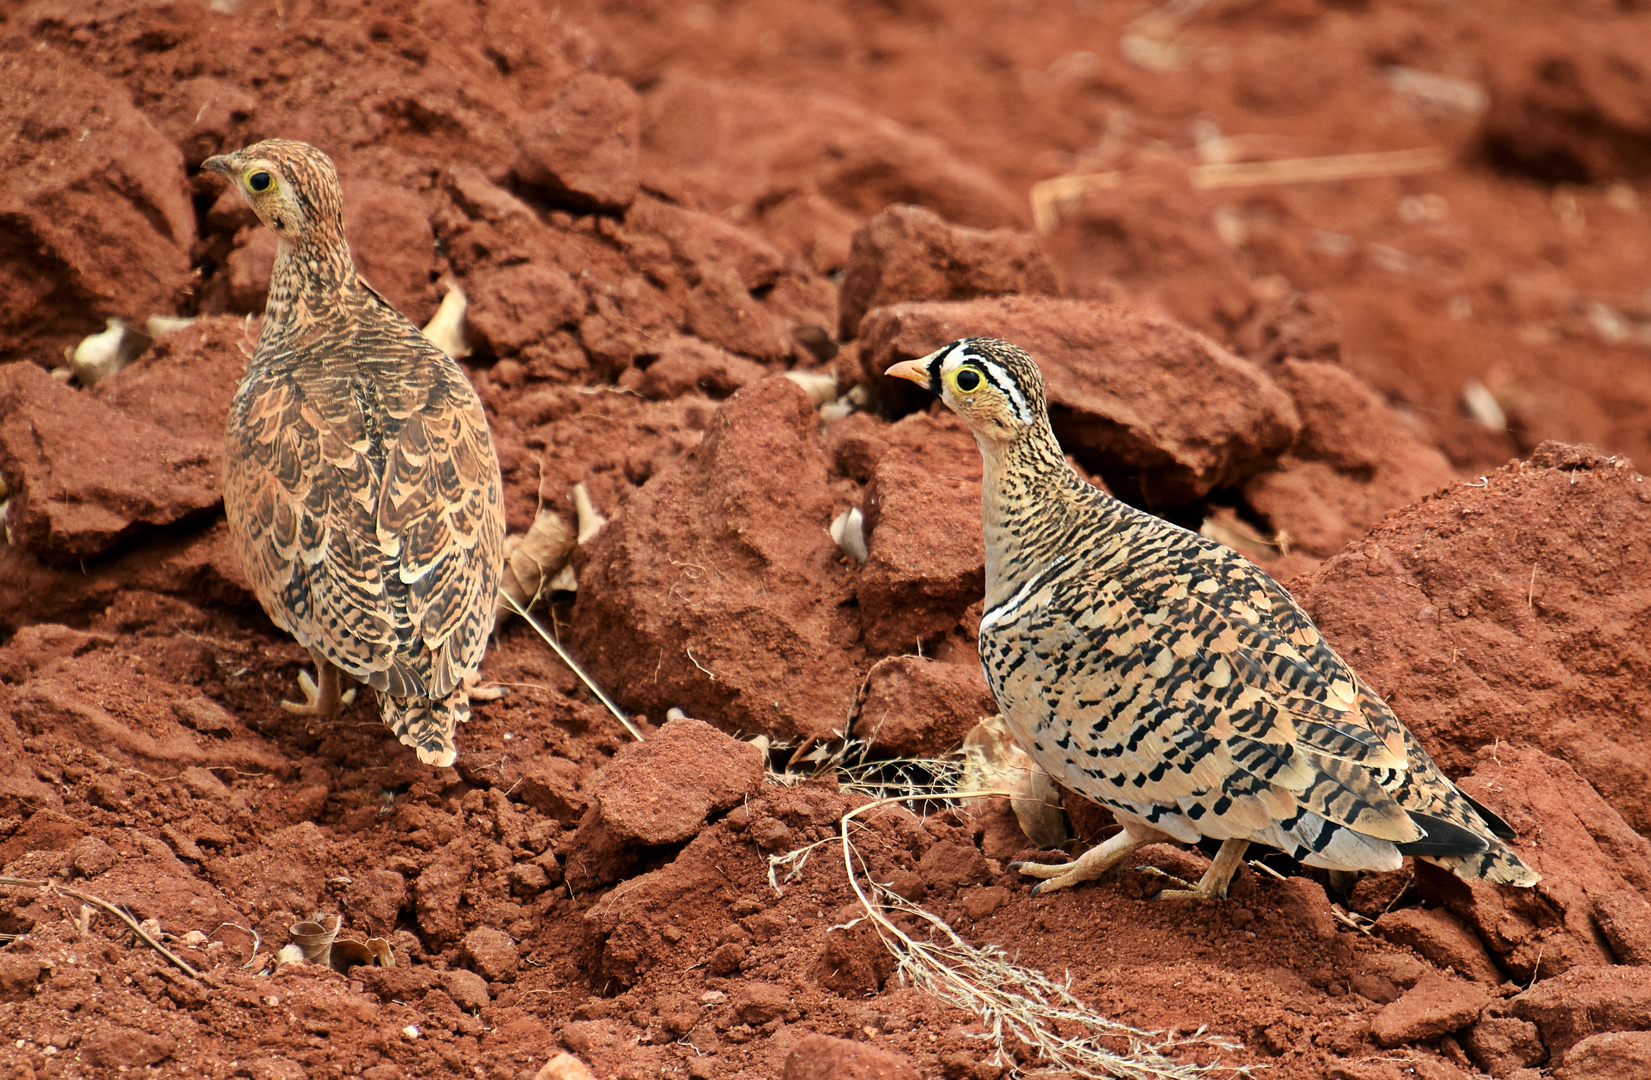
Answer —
(1360, 288)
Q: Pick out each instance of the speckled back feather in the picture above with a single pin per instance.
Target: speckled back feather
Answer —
(362, 488)
(1170, 679)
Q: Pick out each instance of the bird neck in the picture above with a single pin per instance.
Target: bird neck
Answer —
(1030, 497)
(312, 282)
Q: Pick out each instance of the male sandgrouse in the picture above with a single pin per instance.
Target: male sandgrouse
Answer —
(360, 484)
(1169, 679)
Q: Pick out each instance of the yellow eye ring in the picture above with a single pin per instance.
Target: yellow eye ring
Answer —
(965, 380)
(260, 180)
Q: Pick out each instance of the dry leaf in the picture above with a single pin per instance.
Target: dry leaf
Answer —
(446, 327)
(993, 760)
(821, 386)
(848, 529)
(320, 945)
(101, 355)
(533, 560)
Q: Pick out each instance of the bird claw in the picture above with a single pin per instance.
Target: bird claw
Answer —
(316, 701)
(1187, 885)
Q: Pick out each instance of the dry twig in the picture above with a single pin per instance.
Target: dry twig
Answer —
(88, 898)
(573, 665)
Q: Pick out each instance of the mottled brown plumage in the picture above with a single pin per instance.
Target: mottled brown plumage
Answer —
(1171, 680)
(361, 485)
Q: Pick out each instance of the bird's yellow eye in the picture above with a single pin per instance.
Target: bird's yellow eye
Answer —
(966, 380)
(259, 180)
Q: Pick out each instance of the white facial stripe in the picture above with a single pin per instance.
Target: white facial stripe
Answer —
(1002, 380)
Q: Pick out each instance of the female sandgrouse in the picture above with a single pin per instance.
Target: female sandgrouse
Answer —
(360, 484)
(1167, 678)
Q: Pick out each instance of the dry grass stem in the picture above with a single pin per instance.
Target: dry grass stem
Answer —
(88, 898)
(1050, 197)
(1017, 1004)
(573, 666)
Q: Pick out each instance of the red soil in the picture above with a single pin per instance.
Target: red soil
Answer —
(655, 209)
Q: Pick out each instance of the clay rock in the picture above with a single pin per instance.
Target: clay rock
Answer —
(391, 240)
(919, 707)
(1160, 412)
(950, 865)
(1570, 104)
(926, 556)
(661, 791)
(18, 976)
(512, 307)
(438, 888)
(821, 1057)
(1464, 612)
(1435, 1006)
(491, 954)
(84, 476)
(687, 365)
(722, 311)
(185, 383)
(718, 589)
(1442, 939)
(581, 152)
(1585, 1001)
(1300, 326)
(627, 930)
(1154, 240)
(1352, 464)
(1616, 1055)
(911, 253)
(1501, 1044)
(736, 144)
(126, 1048)
(1590, 907)
(95, 219)
(551, 786)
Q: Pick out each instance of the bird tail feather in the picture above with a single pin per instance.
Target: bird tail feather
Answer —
(428, 725)
(1496, 864)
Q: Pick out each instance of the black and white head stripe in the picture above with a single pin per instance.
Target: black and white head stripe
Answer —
(981, 351)
(936, 362)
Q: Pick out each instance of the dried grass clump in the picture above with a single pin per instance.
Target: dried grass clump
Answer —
(1026, 1014)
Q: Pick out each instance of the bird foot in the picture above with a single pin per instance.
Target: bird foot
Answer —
(324, 701)
(484, 692)
(1155, 872)
(1093, 865)
(1213, 885)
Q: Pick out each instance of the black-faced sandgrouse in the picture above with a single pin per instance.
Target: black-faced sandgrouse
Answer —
(1171, 680)
(361, 485)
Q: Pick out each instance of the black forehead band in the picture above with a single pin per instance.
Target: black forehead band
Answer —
(936, 364)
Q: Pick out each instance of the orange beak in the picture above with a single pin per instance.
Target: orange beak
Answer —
(913, 370)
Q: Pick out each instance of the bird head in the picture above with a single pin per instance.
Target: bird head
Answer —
(291, 186)
(994, 386)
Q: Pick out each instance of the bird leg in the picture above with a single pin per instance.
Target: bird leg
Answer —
(1092, 864)
(324, 701)
(1213, 885)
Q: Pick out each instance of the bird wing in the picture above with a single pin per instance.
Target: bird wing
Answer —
(365, 502)
(1180, 681)
(440, 514)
